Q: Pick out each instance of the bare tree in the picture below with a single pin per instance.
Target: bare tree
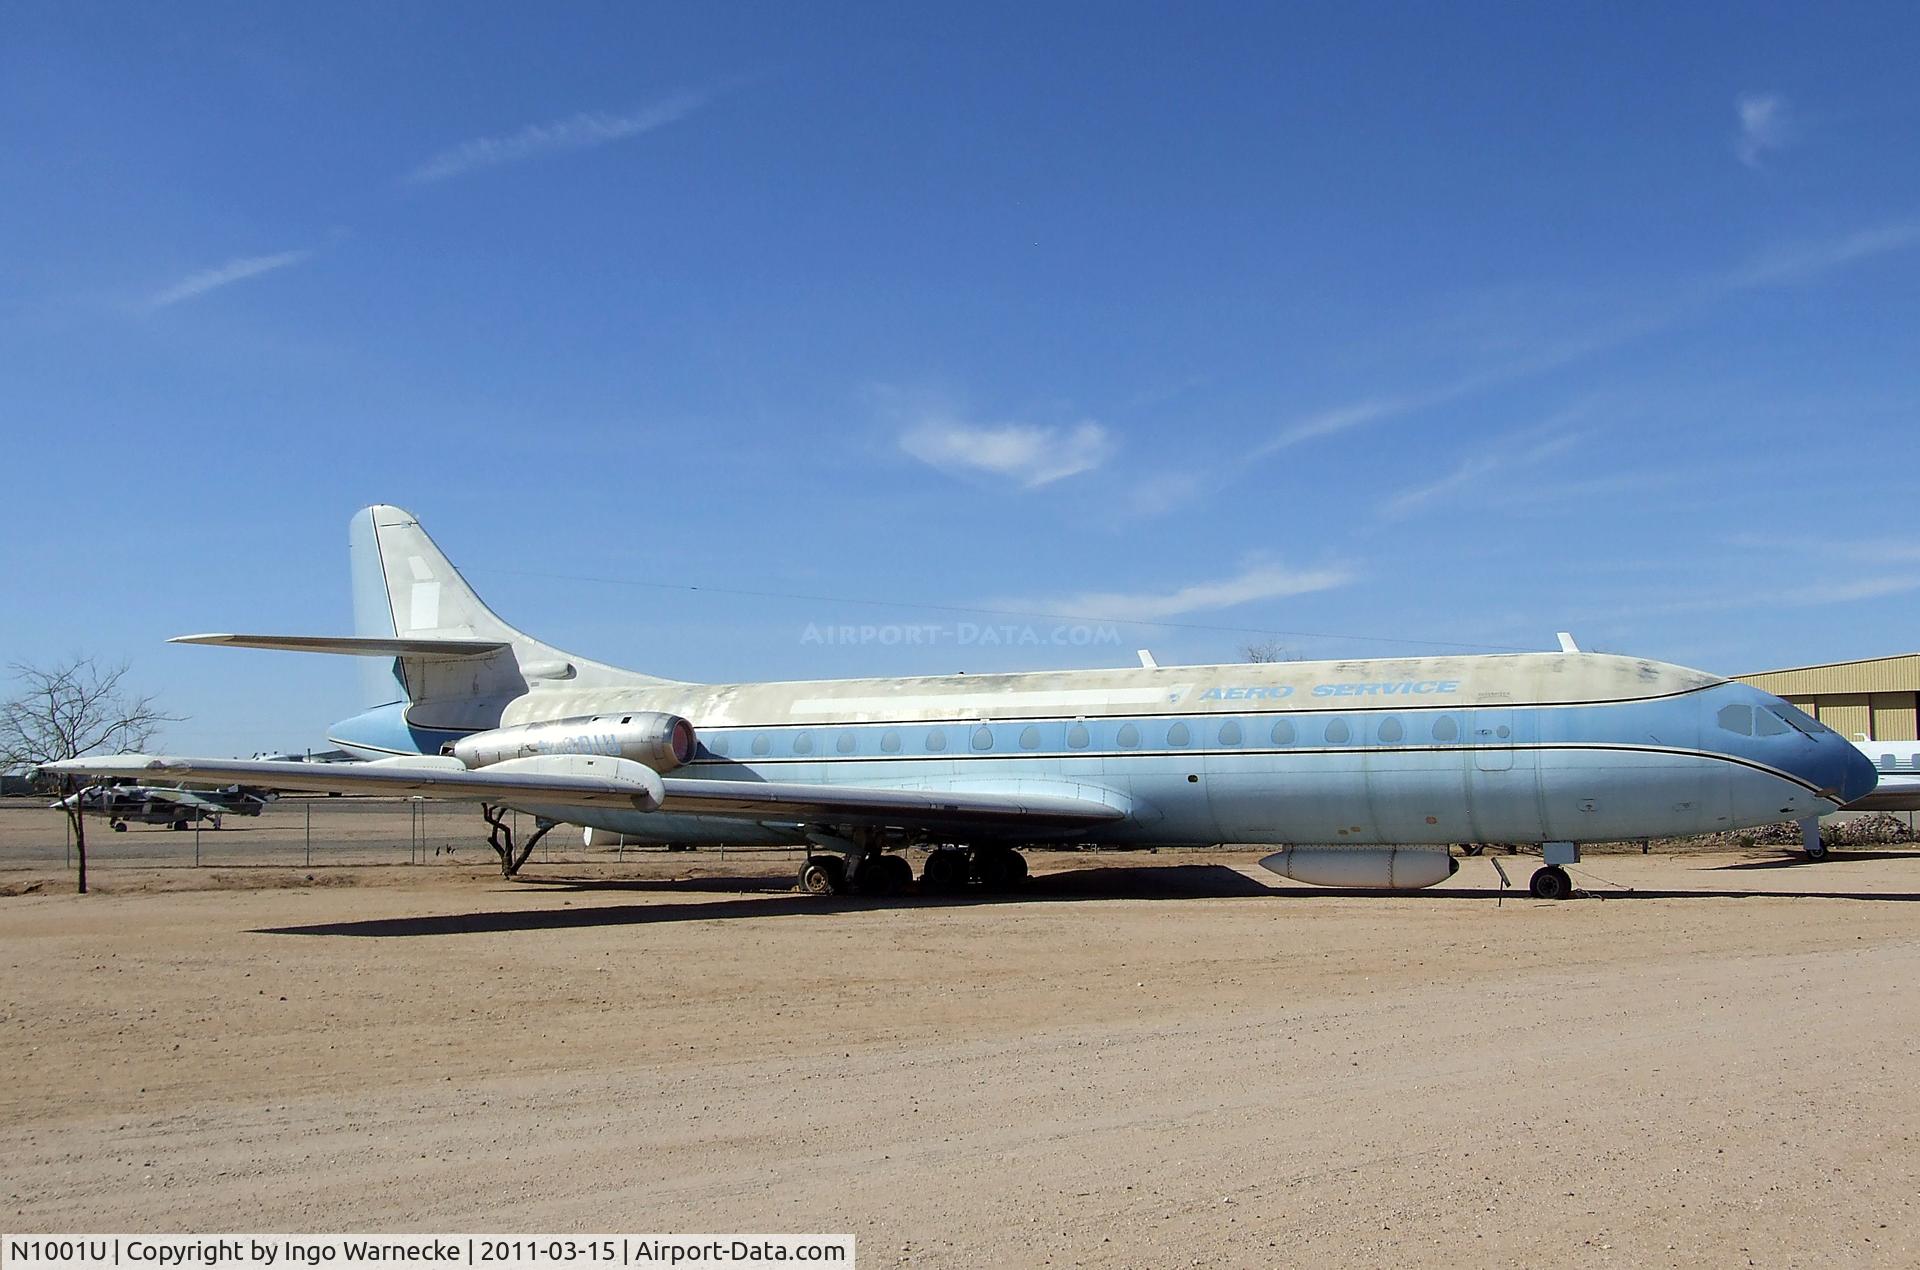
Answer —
(1268, 650)
(500, 838)
(70, 710)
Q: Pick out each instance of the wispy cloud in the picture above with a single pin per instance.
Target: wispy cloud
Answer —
(1368, 411)
(579, 132)
(1778, 266)
(1811, 594)
(1354, 414)
(1764, 125)
(1806, 261)
(238, 269)
(1894, 551)
(1507, 455)
(1027, 454)
(1259, 581)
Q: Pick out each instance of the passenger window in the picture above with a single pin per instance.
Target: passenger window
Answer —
(1445, 729)
(1230, 732)
(1077, 737)
(845, 743)
(1737, 719)
(761, 745)
(1179, 735)
(983, 738)
(1338, 733)
(718, 746)
(890, 742)
(803, 743)
(1886, 762)
(1030, 738)
(1283, 732)
(936, 741)
(1391, 732)
(1128, 737)
(1767, 723)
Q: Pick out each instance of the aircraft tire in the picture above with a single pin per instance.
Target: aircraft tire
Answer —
(886, 875)
(1818, 851)
(1000, 868)
(119, 826)
(823, 875)
(1551, 883)
(945, 871)
(178, 824)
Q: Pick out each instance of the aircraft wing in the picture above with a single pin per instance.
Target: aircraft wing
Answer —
(581, 781)
(184, 797)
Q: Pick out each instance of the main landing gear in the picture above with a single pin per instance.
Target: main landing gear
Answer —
(863, 869)
(874, 874)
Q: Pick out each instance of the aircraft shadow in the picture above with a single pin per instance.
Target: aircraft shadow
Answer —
(1796, 860)
(772, 897)
(769, 897)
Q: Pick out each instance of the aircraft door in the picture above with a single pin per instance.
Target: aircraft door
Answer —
(1493, 740)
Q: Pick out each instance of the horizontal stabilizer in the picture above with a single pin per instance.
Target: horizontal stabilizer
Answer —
(352, 645)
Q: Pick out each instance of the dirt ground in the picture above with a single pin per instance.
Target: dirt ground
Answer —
(1168, 1059)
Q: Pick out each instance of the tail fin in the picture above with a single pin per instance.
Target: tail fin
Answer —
(404, 587)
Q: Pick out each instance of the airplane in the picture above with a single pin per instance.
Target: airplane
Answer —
(165, 805)
(1898, 763)
(1361, 772)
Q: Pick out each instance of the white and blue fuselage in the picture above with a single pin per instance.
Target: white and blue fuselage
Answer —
(1576, 747)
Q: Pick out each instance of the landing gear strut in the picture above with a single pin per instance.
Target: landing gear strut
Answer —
(1810, 839)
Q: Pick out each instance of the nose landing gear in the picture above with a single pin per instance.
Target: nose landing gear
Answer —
(1550, 883)
(1810, 839)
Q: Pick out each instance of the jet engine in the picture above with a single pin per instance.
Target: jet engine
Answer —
(1387, 868)
(659, 741)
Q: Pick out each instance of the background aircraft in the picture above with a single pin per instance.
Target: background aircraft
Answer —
(1898, 763)
(1364, 771)
(167, 805)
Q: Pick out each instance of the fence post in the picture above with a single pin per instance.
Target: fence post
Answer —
(309, 806)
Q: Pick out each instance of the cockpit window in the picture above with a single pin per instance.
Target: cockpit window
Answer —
(1737, 719)
(1795, 718)
(1767, 723)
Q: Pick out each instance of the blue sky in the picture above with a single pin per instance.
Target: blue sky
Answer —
(1383, 329)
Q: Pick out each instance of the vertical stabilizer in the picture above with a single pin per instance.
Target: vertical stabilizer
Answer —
(404, 586)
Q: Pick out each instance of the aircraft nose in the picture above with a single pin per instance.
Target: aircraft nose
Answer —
(1858, 775)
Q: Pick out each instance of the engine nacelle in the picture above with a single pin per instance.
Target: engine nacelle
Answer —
(659, 741)
(1392, 868)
